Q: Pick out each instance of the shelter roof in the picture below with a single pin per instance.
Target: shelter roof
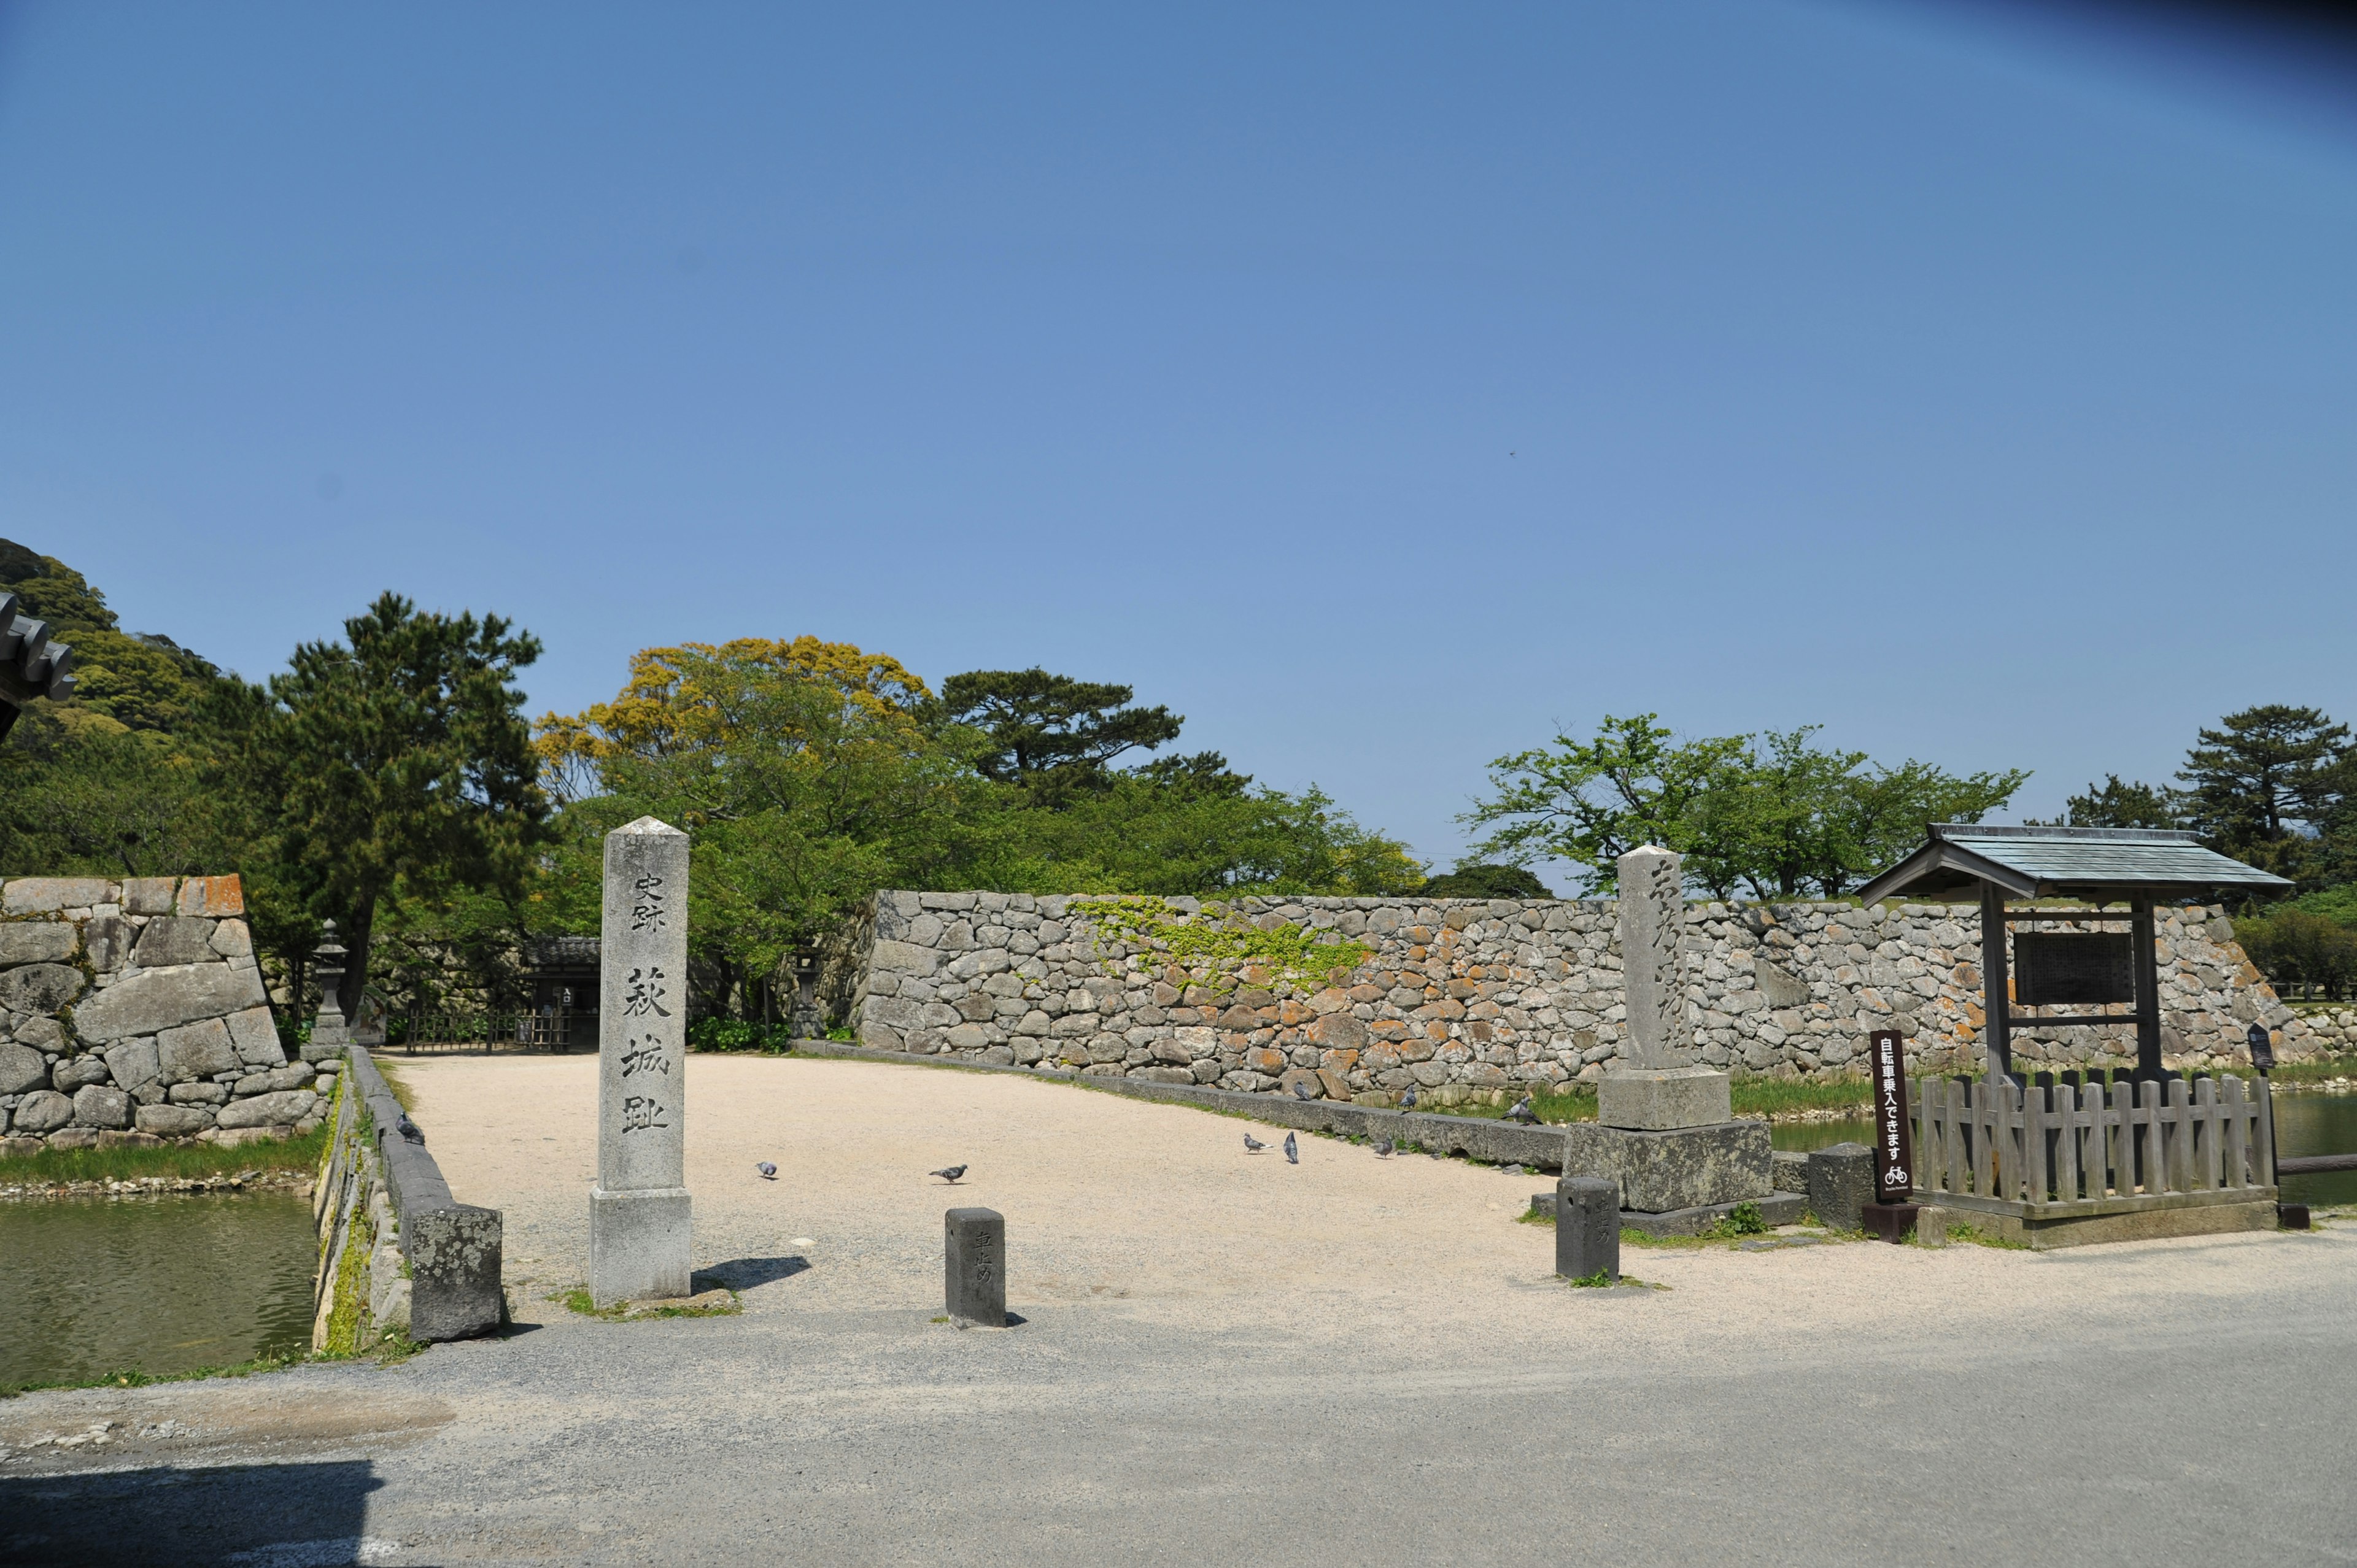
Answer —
(2045, 863)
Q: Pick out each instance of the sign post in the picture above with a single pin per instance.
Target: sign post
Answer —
(1890, 1216)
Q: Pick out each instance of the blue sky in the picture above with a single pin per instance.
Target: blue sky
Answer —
(1381, 387)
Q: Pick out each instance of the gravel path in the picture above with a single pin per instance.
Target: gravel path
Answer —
(1224, 1355)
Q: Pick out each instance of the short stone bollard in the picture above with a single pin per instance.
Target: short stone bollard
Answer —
(1841, 1183)
(974, 1245)
(1587, 1227)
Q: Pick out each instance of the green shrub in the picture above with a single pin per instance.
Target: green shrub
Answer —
(738, 1035)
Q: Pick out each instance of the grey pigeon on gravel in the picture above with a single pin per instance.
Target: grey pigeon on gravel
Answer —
(769, 1172)
(1520, 1112)
(950, 1174)
(1407, 1101)
(1300, 1089)
(1252, 1146)
(1292, 1151)
(1384, 1149)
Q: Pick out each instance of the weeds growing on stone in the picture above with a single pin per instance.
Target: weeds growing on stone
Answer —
(581, 1302)
(385, 1351)
(165, 1160)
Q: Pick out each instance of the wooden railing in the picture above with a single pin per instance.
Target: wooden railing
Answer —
(2094, 1149)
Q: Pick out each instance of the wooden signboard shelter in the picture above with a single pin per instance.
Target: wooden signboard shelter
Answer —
(2055, 1163)
(2137, 867)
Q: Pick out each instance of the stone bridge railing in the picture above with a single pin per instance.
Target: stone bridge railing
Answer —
(397, 1253)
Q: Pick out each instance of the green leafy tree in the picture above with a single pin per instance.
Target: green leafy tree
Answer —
(1772, 812)
(1478, 880)
(1053, 733)
(398, 764)
(2116, 804)
(141, 682)
(1591, 801)
(2267, 784)
(804, 774)
(2295, 947)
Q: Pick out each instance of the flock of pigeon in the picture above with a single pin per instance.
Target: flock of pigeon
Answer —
(1520, 1112)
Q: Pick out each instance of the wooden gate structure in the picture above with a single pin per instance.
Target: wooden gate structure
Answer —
(2054, 1163)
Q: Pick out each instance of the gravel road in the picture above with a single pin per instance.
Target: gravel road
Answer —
(1222, 1356)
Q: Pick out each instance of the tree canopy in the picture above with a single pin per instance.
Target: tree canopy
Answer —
(1769, 814)
(399, 761)
(1052, 732)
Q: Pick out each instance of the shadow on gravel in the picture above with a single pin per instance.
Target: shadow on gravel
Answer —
(273, 1516)
(744, 1274)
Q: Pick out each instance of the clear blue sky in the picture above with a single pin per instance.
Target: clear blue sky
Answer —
(1380, 387)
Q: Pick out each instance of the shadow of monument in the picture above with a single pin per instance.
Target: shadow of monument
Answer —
(286, 1516)
(744, 1274)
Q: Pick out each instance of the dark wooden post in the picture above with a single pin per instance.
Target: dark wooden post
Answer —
(2147, 988)
(1995, 990)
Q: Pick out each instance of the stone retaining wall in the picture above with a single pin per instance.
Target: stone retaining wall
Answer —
(133, 1012)
(1466, 996)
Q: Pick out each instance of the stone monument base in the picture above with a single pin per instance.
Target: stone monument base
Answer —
(1684, 1168)
(638, 1244)
(1655, 1099)
(1776, 1208)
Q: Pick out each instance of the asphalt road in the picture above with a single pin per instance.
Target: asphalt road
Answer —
(2171, 1435)
(1385, 1389)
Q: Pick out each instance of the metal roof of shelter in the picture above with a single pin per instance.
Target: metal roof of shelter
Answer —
(2103, 863)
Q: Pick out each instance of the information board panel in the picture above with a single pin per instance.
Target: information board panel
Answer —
(2082, 967)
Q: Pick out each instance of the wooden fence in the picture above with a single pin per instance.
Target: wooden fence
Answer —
(492, 1031)
(2080, 1150)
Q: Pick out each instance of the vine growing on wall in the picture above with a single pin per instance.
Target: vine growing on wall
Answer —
(1221, 941)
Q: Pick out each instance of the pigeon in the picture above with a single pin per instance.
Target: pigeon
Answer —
(1300, 1089)
(410, 1130)
(1520, 1112)
(1384, 1149)
(948, 1176)
(1292, 1151)
(1407, 1101)
(769, 1172)
(1252, 1146)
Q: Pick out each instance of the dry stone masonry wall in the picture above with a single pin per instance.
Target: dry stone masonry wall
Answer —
(1463, 996)
(133, 1012)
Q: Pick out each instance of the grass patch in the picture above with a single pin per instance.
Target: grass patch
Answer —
(1769, 1097)
(167, 1160)
(580, 1302)
(2318, 1071)
(1980, 1237)
(386, 1351)
(403, 1095)
(1774, 1097)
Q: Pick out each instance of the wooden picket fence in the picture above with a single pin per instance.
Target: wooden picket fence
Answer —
(2072, 1150)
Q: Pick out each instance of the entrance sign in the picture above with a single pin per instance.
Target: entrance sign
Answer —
(1894, 1142)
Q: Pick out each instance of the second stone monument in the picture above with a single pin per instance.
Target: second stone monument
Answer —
(1664, 1129)
(639, 1225)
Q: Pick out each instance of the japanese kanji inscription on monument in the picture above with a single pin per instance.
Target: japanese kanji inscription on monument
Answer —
(639, 1223)
(1652, 922)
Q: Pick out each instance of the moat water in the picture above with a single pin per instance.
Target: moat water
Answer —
(94, 1286)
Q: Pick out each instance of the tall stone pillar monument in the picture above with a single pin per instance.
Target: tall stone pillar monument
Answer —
(639, 1209)
(1665, 1130)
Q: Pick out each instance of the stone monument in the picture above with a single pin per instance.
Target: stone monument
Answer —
(639, 1209)
(1664, 1129)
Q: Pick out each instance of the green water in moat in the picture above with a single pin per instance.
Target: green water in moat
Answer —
(2305, 1124)
(90, 1286)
